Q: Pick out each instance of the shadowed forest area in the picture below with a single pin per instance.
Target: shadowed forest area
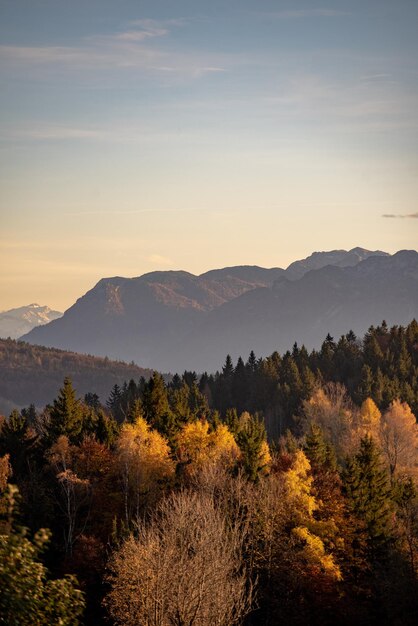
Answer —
(278, 490)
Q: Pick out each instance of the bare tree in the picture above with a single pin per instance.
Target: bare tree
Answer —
(399, 439)
(74, 492)
(184, 568)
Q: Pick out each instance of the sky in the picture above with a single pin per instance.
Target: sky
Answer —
(142, 135)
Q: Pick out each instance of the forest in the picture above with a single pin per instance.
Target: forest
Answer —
(33, 374)
(277, 490)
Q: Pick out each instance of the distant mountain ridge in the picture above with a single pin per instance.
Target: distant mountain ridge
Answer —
(339, 258)
(17, 322)
(175, 320)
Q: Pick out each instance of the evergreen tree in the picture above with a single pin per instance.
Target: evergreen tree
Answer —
(228, 368)
(198, 403)
(15, 440)
(189, 378)
(114, 403)
(66, 414)
(29, 414)
(373, 354)
(367, 488)
(232, 421)
(176, 382)
(366, 385)
(252, 362)
(319, 452)
(156, 408)
(250, 439)
(106, 429)
(92, 400)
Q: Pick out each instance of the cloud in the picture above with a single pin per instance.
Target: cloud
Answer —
(133, 133)
(373, 105)
(53, 133)
(130, 212)
(150, 24)
(306, 13)
(133, 48)
(138, 35)
(158, 259)
(393, 215)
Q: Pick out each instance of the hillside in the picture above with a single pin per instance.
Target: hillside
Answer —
(34, 374)
(174, 320)
(330, 299)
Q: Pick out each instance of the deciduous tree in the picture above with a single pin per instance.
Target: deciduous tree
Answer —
(183, 568)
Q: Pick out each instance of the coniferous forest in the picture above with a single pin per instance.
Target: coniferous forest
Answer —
(280, 490)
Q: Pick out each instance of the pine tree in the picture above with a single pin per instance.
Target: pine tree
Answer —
(156, 408)
(232, 421)
(373, 354)
(366, 386)
(92, 400)
(319, 452)
(228, 368)
(106, 429)
(251, 439)
(66, 414)
(367, 488)
(16, 441)
(114, 403)
(252, 362)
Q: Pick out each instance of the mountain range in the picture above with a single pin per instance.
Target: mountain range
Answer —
(17, 322)
(175, 320)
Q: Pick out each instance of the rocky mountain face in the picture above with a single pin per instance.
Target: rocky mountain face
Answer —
(173, 321)
(339, 258)
(17, 322)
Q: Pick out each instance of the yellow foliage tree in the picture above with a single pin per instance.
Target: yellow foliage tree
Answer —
(301, 504)
(332, 410)
(197, 446)
(399, 439)
(298, 484)
(265, 459)
(369, 420)
(223, 446)
(143, 461)
(313, 551)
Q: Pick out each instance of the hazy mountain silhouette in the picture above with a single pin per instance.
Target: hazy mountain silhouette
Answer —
(176, 321)
(16, 322)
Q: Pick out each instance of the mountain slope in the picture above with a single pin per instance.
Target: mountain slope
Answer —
(120, 314)
(174, 320)
(17, 322)
(34, 374)
(331, 299)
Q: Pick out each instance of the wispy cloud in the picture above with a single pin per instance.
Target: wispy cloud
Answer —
(117, 132)
(132, 48)
(306, 13)
(53, 133)
(150, 24)
(370, 104)
(129, 212)
(397, 215)
(158, 259)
